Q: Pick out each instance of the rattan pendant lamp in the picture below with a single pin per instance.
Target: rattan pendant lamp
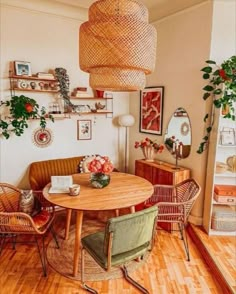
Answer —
(117, 45)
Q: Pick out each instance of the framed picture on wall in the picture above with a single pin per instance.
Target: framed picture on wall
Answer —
(23, 68)
(84, 129)
(151, 110)
(227, 136)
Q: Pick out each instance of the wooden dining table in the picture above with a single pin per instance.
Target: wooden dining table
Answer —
(124, 191)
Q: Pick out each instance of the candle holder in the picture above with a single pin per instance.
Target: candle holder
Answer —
(177, 149)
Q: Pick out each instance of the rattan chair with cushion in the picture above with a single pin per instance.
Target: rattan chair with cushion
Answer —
(14, 223)
(125, 238)
(174, 205)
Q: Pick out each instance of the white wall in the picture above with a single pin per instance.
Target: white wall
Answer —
(182, 48)
(48, 41)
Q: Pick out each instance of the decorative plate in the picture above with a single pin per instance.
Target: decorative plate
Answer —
(42, 137)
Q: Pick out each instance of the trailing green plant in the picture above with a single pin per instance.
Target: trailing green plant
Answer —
(64, 83)
(21, 109)
(221, 88)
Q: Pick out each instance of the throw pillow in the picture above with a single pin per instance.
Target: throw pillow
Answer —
(83, 166)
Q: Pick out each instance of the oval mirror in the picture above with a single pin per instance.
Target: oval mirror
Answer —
(178, 133)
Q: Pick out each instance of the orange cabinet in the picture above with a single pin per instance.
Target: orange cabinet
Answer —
(164, 173)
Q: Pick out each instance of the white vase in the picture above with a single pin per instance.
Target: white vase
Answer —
(149, 153)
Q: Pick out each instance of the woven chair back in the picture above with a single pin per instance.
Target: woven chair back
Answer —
(9, 198)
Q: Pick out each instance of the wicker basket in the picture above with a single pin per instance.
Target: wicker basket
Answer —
(223, 219)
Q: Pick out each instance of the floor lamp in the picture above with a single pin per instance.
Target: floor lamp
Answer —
(126, 120)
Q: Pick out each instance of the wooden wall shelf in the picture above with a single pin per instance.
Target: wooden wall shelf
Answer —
(32, 78)
(33, 90)
(90, 98)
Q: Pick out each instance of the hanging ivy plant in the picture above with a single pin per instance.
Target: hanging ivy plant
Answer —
(221, 88)
(21, 109)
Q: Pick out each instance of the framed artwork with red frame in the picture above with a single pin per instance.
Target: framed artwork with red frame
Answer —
(151, 110)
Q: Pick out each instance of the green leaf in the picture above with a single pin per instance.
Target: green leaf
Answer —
(206, 76)
(209, 129)
(206, 117)
(217, 91)
(206, 95)
(207, 69)
(217, 103)
(216, 73)
(208, 88)
(211, 62)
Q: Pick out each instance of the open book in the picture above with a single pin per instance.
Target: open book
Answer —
(60, 184)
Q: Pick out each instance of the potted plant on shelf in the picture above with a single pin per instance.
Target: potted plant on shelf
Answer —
(221, 88)
(21, 109)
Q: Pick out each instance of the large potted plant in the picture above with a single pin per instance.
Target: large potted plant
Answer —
(221, 88)
(21, 109)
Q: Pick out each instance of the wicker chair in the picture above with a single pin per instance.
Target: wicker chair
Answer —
(14, 223)
(175, 204)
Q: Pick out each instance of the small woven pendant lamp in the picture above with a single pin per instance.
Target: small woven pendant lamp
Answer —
(117, 45)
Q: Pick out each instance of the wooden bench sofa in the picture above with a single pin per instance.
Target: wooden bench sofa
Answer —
(40, 173)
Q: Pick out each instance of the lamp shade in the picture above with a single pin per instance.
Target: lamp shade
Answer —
(117, 46)
(126, 120)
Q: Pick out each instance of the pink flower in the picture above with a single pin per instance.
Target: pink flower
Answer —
(100, 164)
(148, 142)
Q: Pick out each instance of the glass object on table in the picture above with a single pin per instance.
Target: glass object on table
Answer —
(99, 180)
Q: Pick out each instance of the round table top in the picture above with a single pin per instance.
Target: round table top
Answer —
(125, 190)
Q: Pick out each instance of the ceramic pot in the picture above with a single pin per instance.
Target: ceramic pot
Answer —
(149, 153)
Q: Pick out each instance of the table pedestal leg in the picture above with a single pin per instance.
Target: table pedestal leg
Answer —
(68, 219)
(78, 230)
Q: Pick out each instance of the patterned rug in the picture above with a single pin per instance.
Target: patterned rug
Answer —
(61, 260)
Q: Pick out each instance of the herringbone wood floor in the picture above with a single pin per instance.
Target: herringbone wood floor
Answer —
(166, 271)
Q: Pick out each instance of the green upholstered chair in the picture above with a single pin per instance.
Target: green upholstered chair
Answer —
(125, 238)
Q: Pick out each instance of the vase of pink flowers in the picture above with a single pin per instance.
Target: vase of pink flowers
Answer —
(149, 148)
(100, 168)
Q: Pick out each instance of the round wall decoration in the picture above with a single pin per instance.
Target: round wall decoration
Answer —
(42, 137)
(184, 129)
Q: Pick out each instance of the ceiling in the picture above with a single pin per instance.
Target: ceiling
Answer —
(157, 8)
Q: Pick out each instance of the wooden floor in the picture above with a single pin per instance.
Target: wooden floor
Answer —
(220, 254)
(166, 271)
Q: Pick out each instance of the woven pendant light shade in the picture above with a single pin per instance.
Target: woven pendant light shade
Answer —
(117, 45)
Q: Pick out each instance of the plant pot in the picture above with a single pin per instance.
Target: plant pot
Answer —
(99, 93)
(99, 180)
(149, 153)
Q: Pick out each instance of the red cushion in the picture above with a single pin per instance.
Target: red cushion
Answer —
(41, 218)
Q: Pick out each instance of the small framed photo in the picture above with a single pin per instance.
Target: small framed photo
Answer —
(227, 137)
(151, 110)
(23, 68)
(84, 129)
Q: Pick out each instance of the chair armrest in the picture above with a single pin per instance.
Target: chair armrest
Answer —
(18, 222)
